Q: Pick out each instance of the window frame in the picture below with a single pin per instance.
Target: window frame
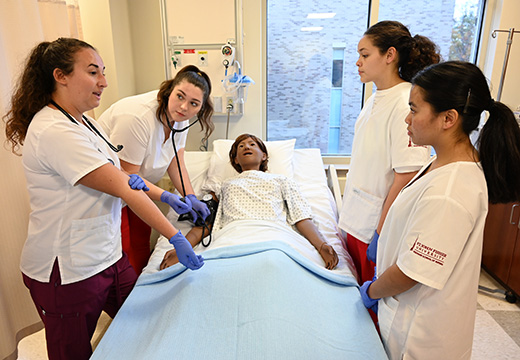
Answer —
(342, 161)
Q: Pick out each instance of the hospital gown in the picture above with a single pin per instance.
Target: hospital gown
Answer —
(256, 195)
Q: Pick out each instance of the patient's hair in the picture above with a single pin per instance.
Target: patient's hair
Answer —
(36, 84)
(198, 78)
(463, 87)
(415, 53)
(234, 149)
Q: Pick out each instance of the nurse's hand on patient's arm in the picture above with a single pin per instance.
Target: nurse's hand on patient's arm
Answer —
(181, 206)
(170, 258)
(185, 253)
(194, 236)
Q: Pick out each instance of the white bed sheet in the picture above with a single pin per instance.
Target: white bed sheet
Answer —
(309, 174)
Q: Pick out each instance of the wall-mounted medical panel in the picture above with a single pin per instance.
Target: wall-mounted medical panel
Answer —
(194, 33)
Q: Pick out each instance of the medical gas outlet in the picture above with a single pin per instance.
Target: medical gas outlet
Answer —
(230, 105)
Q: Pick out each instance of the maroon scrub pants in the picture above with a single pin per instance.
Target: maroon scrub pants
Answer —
(135, 234)
(70, 312)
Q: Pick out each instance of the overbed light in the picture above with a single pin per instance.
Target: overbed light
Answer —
(321, 15)
(312, 28)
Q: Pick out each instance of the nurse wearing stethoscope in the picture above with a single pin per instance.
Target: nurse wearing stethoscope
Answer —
(153, 128)
(428, 258)
(72, 261)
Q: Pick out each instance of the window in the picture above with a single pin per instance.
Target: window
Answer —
(313, 89)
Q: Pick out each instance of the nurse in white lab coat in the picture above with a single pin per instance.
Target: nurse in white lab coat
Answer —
(428, 259)
(142, 124)
(384, 158)
(72, 261)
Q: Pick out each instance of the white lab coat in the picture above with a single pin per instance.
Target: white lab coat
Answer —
(132, 122)
(434, 233)
(381, 145)
(78, 225)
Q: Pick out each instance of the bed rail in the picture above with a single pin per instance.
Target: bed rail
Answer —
(333, 183)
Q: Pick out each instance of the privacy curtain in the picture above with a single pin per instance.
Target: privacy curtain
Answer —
(23, 24)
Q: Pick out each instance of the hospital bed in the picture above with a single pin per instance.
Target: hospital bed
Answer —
(263, 292)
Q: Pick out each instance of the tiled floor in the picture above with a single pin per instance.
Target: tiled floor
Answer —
(497, 325)
(497, 329)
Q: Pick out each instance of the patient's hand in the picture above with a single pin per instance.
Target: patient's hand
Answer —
(170, 258)
(328, 254)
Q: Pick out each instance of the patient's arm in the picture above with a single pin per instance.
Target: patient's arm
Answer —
(194, 236)
(307, 228)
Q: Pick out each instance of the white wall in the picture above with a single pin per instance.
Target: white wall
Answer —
(146, 35)
(253, 119)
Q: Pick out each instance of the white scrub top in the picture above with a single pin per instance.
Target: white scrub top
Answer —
(78, 225)
(381, 145)
(434, 232)
(132, 122)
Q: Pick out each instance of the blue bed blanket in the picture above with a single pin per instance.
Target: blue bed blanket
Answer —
(251, 301)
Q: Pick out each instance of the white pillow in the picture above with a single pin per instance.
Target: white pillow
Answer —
(280, 160)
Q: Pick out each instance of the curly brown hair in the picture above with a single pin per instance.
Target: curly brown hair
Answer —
(36, 84)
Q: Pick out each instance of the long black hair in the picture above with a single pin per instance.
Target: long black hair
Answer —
(462, 86)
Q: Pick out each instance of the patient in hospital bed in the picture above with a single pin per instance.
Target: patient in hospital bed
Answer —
(255, 194)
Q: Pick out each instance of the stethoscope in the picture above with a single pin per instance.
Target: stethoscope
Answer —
(174, 131)
(89, 124)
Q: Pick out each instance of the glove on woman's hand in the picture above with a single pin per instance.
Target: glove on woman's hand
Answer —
(137, 183)
(185, 253)
(175, 201)
(199, 206)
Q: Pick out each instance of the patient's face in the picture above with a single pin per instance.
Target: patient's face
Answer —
(249, 155)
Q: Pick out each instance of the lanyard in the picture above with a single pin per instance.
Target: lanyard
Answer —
(89, 124)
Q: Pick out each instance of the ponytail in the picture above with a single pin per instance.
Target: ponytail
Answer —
(415, 53)
(499, 150)
(423, 52)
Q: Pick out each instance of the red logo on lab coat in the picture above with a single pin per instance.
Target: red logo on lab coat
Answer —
(428, 252)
